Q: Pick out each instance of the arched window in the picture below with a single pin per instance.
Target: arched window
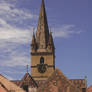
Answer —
(41, 60)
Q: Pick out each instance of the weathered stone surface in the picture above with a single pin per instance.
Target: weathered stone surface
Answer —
(42, 29)
(42, 46)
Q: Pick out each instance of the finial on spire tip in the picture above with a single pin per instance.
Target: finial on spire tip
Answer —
(43, 2)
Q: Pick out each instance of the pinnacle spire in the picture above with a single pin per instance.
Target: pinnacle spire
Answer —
(42, 34)
(51, 43)
(33, 44)
(33, 39)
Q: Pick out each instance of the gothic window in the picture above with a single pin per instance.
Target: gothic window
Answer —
(41, 60)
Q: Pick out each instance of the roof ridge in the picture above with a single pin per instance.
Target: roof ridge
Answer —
(25, 79)
(7, 83)
(57, 70)
(4, 87)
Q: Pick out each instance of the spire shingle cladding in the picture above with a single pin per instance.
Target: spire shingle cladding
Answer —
(42, 34)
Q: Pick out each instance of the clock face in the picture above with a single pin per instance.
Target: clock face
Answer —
(42, 68)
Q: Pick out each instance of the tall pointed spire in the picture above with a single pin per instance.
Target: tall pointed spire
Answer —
(42, 34)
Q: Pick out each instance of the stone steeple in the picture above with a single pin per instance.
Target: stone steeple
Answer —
(42, 33)
(43, 40)
(42, 49)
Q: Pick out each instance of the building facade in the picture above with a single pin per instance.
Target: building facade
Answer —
(44, 76)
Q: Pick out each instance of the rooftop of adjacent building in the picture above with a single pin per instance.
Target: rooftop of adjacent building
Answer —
(28, 80)
(8, 86)
(89, 89)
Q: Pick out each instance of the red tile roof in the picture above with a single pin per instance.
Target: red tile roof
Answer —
(7, 86)
(58, 82)
(81, 83)
(2, 88)
(89, 89)
(28, 80)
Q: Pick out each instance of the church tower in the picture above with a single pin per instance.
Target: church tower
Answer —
(42, 49)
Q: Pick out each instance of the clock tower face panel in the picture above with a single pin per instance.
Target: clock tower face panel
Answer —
(42, 66)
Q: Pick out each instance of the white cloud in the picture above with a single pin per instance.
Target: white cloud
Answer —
(9, 12)
(12, 37)
(66, 31)
(13, 72)
(14, 34)
(10, 32)
(14, 56)
(16, 61)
